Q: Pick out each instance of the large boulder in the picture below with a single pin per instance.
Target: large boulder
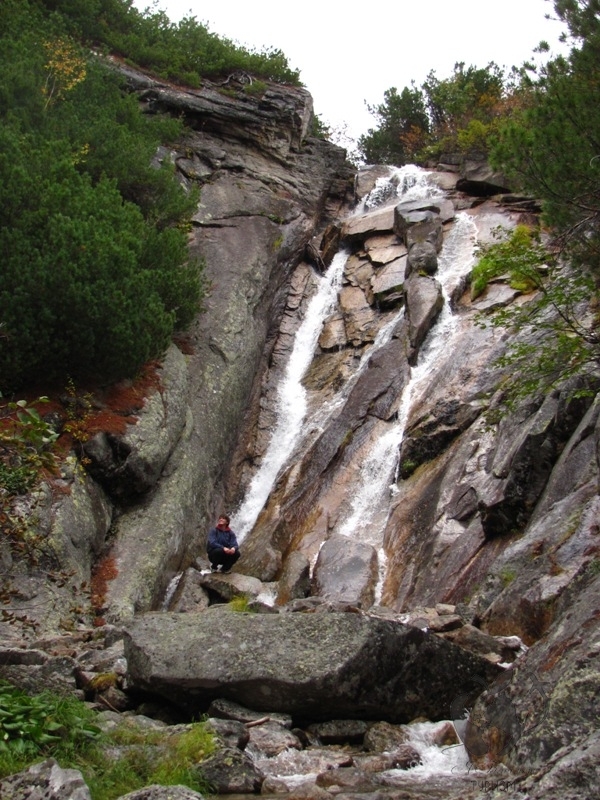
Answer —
(318, 666)
(346, 570)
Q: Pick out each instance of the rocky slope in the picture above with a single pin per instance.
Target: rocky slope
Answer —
(484, 549)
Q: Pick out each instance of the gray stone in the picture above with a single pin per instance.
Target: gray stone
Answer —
(357, 229)
(323, 666)
(227, 709)
(424, 302)
(422, 259)
(495, 295)
(190, 594)
(478, 178)
(429, 232)
(230, 771)
(384, 737)
(360, 320)
(45, 781)
(339, 731)
(389, 280)
(271, 738)
(295, 579)
(156, 792)
(333, 336)
(346, 570)
(230, 732)
(234, 585)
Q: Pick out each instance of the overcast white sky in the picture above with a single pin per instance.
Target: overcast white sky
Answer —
(349, 53)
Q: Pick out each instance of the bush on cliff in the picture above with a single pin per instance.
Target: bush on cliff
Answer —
(185, 51)
(96, 273)
(551, 149)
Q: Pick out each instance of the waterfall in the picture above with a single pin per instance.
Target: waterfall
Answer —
(406, 183)
(291, 397)
(402, 184)
(380, 466)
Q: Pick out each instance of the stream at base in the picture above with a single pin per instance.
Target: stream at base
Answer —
(350, 768)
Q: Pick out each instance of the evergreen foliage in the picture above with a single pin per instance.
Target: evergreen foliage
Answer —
(93, 237)
(551, 147)
(185, 51)
(403, 128)
(455, 113)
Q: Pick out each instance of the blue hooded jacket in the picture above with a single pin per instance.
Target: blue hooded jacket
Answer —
(218, 538)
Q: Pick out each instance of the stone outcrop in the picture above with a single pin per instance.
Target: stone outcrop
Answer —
(130, 464)
(266, 189)
(318, 666)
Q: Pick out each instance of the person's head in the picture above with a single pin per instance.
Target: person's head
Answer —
(223, 521)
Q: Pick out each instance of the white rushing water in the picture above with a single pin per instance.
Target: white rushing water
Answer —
(405, 183)
(293, 767)
(379, 468)
(291, 397)
(402, 184)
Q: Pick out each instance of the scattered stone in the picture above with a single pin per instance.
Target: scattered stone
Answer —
(350, 778)
(229, 731)
(227, 709)
(45, 781)
(384, 737)
(339, 731)
(156, 792)
(271, 738)
(305, 762)
(230, 771)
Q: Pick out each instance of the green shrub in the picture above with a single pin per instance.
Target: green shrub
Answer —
(25, 447)
(96, 273)
(30, 725)
(407, 467)
(518, 257)
(239, 604)
(48, 725)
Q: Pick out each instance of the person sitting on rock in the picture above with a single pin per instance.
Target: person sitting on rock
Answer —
(222, 546)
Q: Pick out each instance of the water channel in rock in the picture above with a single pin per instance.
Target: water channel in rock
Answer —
(292, 421)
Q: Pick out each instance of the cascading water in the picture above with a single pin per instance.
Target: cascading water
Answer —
(380, 465)
(404, 183)
(291, 397)
(294, 767)
(407, 183)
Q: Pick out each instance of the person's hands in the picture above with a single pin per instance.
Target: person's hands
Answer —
(229, 550)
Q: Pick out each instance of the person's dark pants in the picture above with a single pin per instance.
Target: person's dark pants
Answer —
(225, 560)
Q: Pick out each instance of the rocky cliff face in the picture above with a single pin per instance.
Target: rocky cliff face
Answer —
(266, 189)
(400, 496)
